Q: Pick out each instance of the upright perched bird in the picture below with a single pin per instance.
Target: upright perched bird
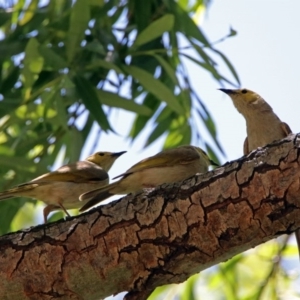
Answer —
(263, 125)
(61, 189)
(165, 167)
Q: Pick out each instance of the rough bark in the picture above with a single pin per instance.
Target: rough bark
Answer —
(162, 237)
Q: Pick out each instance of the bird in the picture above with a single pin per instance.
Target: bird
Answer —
(263, 125)
(61, 188)
(168, 166)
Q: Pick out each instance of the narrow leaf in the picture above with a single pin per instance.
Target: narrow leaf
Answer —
(52, 59)
(154, 30)
(168, 68)
(114, 100)
(33, 64)
(230, 66)
(140, 121)
(186, 25)
(158, 131)
(179, 136)
(88, 94)
(189, 286)
(29, 12)
(156, 87)
(80, 16)
(104, 64)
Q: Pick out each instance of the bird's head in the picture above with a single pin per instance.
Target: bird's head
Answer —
(104, 159)
(245, 100)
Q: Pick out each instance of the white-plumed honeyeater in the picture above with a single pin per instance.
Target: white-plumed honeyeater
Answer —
(61, 189)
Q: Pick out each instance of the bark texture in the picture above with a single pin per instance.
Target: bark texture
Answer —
(162, 237)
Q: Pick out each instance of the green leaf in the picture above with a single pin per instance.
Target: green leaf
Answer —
(88, 94)
(202, 53)
(114, 100)
(229, 65)
(5, 16)
(9, 81)
(58, 215)
(187, 292)
(8, 210)
(32, 111)
(211, 154)
(61, 109)
(156, 87)
(210, 126)
(33, 64)
(52, 59)
(154, 30)
(15, 163)
(290, 251)
(75, 138)
(29, 12)
(203, 65)
(180, 136)
(80, 16)
(168, 68)
(160, 292)
(99, 3)
(95, 46)
(158, 131)
(10, 48)
(86, 130)
(165, 113)
(104, 64)
(185, 24)
(209, 68)
(141, 121)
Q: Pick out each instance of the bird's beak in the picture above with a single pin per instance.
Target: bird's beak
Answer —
(117, 154)
(227, 91)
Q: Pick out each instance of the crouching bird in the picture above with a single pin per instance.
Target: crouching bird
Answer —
(61, 189)
(165, 167)
(263, 125)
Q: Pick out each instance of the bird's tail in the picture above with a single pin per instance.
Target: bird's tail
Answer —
(16, 191)
(5, 195)
(95, 196)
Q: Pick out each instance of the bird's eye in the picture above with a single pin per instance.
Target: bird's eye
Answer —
(244, 91)
(100, 153)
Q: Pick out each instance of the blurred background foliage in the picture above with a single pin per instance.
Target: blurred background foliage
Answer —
(66, 65)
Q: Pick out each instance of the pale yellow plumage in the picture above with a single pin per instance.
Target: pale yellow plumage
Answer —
(263, 125)
(165, 167)
(60, 189)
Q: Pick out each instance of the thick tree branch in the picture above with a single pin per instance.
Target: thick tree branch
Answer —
(162, 237)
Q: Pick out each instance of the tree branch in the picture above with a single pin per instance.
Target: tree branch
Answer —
(162, 237)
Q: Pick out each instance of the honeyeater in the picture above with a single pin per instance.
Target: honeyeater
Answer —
(165, 167)
(263, 125)
(61, 189)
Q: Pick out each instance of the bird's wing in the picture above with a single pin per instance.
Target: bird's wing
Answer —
(286, 128)
(79, 172)
(246, 146)
(166, 158)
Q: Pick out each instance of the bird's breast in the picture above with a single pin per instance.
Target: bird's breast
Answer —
(264, 131)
